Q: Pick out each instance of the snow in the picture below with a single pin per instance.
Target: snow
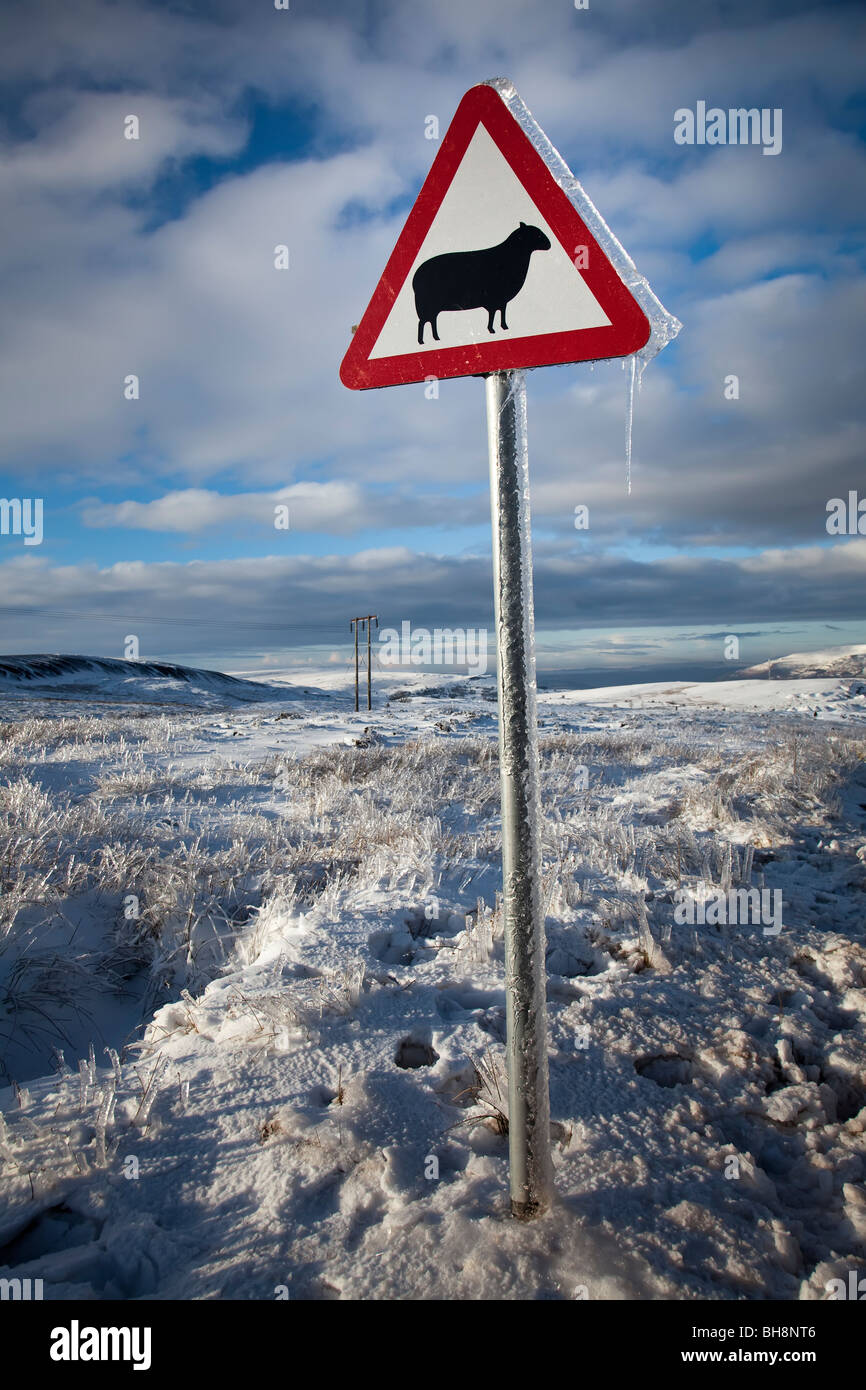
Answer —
(309, 1096)
(821, 699)
(835, 661)
(105, 678)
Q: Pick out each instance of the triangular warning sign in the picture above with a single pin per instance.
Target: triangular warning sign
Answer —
(496, 267)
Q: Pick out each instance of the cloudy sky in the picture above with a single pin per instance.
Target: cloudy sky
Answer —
(306, 127)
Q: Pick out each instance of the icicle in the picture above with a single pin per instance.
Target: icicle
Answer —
(748, 861)
(83, 1083)
(103, 1119)
(142, 1116)
(115, 1062)
(629, 416)
(5, 1148)
(22, 1095)
(106, 1105)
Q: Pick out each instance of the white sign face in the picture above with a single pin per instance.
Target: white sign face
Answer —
(483, 207)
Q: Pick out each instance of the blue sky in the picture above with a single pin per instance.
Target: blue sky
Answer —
(307, 127)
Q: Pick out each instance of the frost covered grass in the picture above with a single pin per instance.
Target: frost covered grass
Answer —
(295, 930)
(115, 875)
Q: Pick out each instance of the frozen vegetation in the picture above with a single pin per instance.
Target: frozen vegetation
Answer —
(252, 995)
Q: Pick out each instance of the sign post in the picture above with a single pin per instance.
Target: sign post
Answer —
(505, 264)
(525, 976)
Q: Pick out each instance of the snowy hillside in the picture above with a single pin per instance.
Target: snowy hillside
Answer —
(829, 698)
(106, 679)
(835, 661)
(279, 929)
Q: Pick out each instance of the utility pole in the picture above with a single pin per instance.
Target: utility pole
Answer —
(370, 663)
(368, 618)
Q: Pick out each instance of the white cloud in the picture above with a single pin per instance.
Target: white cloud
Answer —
(82, 145)
(332, 507)
(256, 605)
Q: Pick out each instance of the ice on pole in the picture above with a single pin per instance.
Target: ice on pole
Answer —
(525, 975)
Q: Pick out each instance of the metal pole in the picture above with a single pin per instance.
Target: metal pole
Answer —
(525, 975)
(369, 674)
(355, 625)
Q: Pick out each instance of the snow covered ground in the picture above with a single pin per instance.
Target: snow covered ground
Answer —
(107, 680)
(278, 925)
(833, 661)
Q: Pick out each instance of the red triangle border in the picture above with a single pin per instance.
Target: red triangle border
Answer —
(627, 332)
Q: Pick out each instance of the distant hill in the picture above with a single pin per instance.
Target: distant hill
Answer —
(835, 661)
(150, 682)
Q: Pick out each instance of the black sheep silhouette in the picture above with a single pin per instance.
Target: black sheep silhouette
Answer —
(486, 279)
